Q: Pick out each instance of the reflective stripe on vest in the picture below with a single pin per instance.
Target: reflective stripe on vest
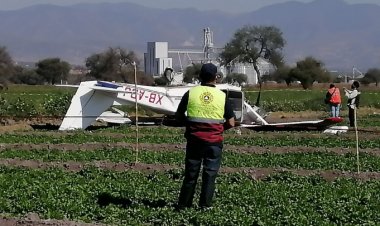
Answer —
(206, 105)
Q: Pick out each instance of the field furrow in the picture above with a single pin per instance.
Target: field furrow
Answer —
(178, 147)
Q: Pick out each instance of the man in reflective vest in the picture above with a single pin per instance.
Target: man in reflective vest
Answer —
(208, 115)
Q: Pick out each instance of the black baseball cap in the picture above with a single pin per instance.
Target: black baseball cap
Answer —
(208, 72)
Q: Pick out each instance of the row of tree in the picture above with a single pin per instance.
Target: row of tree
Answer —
(247, 45)
(306, 72)
(253, 42)
(50, 70)
(114, 64)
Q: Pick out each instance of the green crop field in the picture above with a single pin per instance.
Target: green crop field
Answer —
(267, 178)
(23, 100)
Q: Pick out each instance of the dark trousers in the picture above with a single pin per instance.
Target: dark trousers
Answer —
(351, 116)
(211, 156)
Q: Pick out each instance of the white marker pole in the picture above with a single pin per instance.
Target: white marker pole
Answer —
(357, 141)
(136, 112)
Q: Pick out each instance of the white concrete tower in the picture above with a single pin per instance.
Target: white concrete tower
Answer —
(156, 58)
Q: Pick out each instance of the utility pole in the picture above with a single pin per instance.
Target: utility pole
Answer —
(124, 60)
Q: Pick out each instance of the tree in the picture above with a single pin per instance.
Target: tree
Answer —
(115, 64)
(252, 42)
(53, 70)
(236, 77)
(6, 67)
(372, 75)
(281, 75)
(26, 76)
(192, 72)
(141, 78)
(309, 71)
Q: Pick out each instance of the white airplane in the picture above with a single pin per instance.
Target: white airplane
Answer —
(93, 98)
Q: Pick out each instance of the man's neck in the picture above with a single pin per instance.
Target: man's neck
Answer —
(208, 83)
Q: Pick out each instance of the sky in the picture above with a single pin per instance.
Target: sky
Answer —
(231, 6)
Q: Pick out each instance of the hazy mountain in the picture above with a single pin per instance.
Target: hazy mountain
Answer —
(339, 34)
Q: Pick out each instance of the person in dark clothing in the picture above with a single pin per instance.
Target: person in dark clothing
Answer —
(208, 114)
(352, 102)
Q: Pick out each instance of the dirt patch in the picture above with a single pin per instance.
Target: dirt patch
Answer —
(15, 127)
(33, 219)
(179, 147)
(314, 115)
(280, 116)
(364, 134)
(9, 124)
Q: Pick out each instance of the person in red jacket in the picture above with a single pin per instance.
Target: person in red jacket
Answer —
(334, 100)
(208, 114)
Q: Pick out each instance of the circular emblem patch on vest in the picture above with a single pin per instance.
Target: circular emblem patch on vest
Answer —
(206, 97)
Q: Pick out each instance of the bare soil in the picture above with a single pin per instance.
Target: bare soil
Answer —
(32, 219)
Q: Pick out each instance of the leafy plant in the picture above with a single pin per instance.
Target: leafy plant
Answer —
(57, 105)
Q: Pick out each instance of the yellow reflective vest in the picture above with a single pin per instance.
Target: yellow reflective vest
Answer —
(206, 105)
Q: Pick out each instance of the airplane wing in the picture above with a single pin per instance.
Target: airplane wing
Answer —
(117, 88)
(94, 97)
(70, 86)
(296, 126)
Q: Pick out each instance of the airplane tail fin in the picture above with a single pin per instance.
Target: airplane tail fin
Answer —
(86, 105)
